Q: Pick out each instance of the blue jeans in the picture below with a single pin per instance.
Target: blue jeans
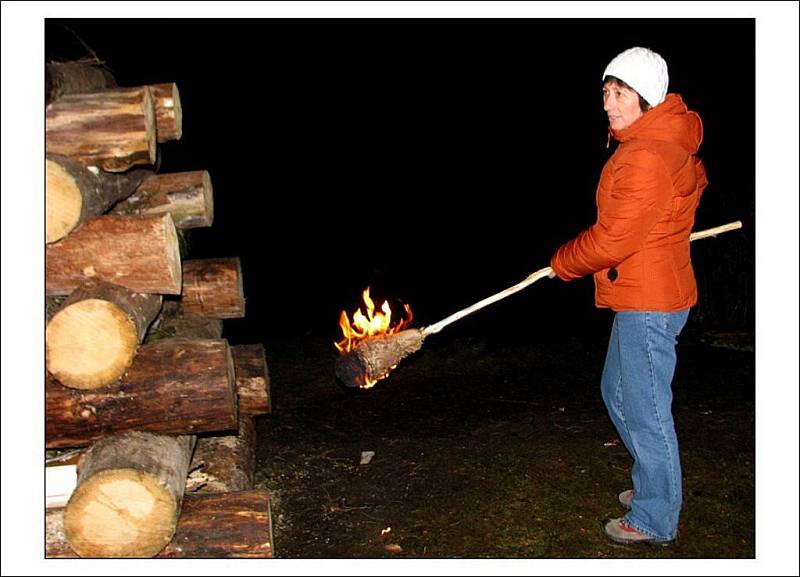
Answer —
(637, 390)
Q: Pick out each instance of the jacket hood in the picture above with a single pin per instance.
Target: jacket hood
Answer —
(670, 121)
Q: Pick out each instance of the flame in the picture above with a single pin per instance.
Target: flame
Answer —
(370, 324)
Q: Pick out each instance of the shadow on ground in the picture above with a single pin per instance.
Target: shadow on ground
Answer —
(497, 450)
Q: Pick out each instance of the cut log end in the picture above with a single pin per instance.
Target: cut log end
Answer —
(90, 344)
(177, 114)
(173, 253)
(208, 197)
(213, 288)
(374, 358)
(169, 115)
(120, 513)
(64, 202)
(149, 110)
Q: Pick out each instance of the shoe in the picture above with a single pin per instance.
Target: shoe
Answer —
(620, 532)
(625, 498)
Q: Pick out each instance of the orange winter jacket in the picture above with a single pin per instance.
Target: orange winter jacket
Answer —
(638, 250)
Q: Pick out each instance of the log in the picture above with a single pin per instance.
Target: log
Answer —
(76, 77)
(173, 386)
(52, 304)
(174, 322)
(113, 129)
(140, 253)
(211, 525)
(224, 525)
(213, 288)
(92, 339)
(372, 359)
(129, 494)
(225, 463)
(187, 196)
(74, 193)
(250, 366)
(169, 115)
(252, 379)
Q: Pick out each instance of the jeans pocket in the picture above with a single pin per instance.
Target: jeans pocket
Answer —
(673, 323)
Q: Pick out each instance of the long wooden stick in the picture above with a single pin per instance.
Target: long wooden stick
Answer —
(435, 328)
(716, 230)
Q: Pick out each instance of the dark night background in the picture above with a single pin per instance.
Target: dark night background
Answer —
(440, 161)
(436, 161)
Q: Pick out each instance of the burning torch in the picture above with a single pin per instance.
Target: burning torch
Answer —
(372, 347)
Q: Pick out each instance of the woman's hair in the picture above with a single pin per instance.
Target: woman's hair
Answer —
(643, 105)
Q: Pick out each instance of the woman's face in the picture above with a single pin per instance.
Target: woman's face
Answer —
(621, 105)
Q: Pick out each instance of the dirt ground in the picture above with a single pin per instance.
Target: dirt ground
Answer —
(497, 448)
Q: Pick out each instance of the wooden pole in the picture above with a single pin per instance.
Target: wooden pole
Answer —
(716, 230)
(436, 327)
(374, 357)
(541, 273)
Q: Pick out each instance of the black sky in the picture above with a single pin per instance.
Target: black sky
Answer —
(437, 161)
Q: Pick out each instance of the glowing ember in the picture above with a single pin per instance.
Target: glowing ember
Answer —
(373, 323)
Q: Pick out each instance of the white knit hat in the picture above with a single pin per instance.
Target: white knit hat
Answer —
(644, 71)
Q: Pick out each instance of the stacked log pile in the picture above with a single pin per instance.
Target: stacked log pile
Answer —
(142, 393)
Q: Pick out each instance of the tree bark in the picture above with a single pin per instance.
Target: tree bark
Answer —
(252, 379)
(224, 525)
(174, 386)
(373, 358)
(128, 497)
(55, 542)
(211, 525)
(225, 463)
(140, 253)
(76, 77)
(250, 366)
(213, 288)
(174, 322)
(187, 196)
(112, 130)
(74, 193)
(92, 339)
(169, 115)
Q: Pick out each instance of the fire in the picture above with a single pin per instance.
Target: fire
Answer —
(370, 324)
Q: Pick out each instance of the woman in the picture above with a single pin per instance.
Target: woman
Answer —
(638, 252)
